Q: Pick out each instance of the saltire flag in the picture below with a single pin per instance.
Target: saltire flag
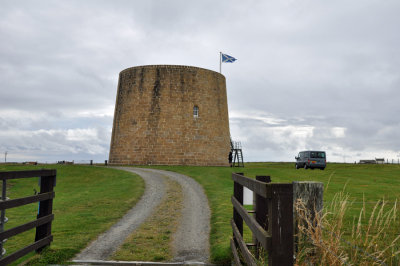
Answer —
(227, 58)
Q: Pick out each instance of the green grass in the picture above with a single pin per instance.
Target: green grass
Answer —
(373, 182)
(85, 193)
(152, 240)
(88, 201)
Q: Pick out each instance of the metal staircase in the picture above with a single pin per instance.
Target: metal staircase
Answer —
(237, 154)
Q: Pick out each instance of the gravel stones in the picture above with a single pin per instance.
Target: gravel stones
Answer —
(190, 242)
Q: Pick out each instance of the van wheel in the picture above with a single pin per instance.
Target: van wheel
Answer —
(305, 166)
(323, 168)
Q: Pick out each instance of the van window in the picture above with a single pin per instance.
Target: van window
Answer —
(317, 155)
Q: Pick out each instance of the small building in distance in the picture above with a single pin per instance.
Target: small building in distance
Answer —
(170, 115)
(376, 161)
(367, 162)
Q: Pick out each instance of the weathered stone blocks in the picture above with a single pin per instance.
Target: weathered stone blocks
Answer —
(154, 121)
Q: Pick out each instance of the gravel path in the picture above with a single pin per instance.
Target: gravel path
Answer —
(107, 243)
(190, 242)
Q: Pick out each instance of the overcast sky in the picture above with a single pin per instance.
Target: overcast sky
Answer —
(310, 74)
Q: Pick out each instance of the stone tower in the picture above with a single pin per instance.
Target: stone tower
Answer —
(170, 115)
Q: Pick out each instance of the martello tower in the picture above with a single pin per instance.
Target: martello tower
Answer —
(170, 115)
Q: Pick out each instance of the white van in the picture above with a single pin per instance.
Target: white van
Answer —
(311, 159)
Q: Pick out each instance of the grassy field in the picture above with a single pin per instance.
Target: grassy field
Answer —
(371, 182)
(88, 201)
(90, 193)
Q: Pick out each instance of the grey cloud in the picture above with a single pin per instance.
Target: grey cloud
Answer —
(55, 144)
(306, 64)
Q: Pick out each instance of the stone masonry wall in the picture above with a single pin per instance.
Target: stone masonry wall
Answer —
(154, 121)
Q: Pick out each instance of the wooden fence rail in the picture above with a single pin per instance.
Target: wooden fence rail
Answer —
(42, 224)
(272, 226)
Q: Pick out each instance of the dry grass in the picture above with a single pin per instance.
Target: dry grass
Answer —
(324, 240)
(152, 240)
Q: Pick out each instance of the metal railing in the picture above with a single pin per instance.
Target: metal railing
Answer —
(236, 145)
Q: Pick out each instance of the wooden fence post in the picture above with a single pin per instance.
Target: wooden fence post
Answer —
(47, 184)
(238, 194)
(261, 211)
(280, 224)
(311, 194)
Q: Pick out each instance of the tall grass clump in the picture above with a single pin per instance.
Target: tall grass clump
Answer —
(325, 239)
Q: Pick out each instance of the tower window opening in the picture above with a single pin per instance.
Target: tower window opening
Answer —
(195, 111)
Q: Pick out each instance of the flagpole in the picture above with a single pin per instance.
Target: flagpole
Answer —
(220, 61)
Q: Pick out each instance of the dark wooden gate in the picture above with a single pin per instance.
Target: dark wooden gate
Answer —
(44, 217)
(272, 226)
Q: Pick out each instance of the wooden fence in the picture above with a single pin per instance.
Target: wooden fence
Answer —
(272, 226)
(42, 224)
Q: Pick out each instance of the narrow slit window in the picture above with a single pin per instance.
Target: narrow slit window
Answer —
(195, 111)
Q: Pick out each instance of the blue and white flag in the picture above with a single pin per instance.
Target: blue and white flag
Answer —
(227, 58)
